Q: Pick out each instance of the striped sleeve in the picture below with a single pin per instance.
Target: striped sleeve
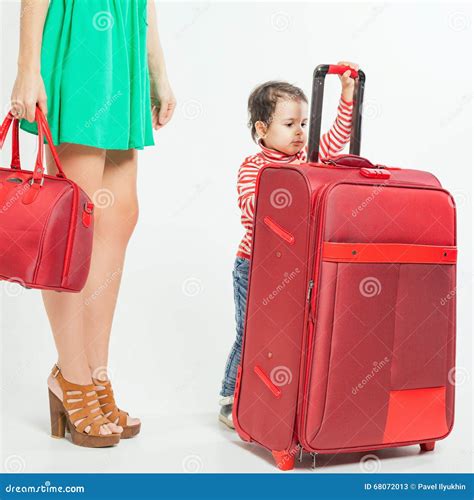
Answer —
(333, 141)
(246, 183)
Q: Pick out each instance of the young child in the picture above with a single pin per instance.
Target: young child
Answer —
(278, 120)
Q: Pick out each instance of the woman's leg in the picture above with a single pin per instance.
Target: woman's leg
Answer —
(117, 203)
(85, 166)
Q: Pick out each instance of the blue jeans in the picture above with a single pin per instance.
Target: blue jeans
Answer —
(240, 275)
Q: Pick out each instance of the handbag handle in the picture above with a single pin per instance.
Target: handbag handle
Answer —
(43, 131)
(319, 76)
(15, 161)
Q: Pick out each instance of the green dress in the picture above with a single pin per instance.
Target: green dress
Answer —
(94, 67)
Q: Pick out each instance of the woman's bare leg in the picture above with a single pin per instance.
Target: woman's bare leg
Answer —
(85, 166)
(117, 202)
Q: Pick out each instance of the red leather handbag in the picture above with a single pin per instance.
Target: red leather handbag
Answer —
(46, 221)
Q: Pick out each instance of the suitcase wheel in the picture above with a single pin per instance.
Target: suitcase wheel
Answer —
(284, 460)
(427, 446)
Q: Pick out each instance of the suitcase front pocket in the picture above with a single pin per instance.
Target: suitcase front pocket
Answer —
(384, 345)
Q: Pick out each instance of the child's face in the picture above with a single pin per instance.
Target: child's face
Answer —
(287, 131)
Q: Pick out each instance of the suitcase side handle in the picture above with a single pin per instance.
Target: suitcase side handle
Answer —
(319, 77)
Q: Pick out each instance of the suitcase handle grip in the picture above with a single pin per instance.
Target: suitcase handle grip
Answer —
(340, 69)
(43, 131)
(319, 76)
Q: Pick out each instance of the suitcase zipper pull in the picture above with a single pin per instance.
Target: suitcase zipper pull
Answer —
(300, 458)
(310, 288)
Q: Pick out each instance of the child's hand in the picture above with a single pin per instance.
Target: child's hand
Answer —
(347, 82)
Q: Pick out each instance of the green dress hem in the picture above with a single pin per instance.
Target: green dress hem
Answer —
(24, 124)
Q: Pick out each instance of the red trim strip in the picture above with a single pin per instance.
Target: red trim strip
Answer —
(264, 378)
(389, 252)
(277, 229)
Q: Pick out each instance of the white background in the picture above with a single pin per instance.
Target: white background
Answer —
(174, 323)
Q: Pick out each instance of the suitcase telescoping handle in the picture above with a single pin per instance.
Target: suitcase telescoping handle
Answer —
(319, 76)
(43, 131)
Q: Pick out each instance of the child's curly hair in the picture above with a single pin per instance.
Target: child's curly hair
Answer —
(264, 98)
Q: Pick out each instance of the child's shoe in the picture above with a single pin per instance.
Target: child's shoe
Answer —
(225, 415)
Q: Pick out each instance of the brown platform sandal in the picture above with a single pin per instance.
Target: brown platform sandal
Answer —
(79, 400)
(111, 411)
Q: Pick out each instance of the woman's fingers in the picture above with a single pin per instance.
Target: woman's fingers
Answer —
(154, 116)
(16, 108)
(166, 112)
(43, 105)
(30, 111)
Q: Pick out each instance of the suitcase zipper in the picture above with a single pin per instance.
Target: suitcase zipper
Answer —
(310, 289)
(316, 211)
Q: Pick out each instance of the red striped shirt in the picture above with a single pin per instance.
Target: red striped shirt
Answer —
(331, 143)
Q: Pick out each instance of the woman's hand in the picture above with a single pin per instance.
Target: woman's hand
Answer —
(347, 82)
(163, 102)
(27, 91)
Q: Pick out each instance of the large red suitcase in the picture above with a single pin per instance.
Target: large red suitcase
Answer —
(349, 341)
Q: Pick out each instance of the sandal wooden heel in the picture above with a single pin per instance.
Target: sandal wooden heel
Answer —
(58, 419)
(111, 411)
(83, 399)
